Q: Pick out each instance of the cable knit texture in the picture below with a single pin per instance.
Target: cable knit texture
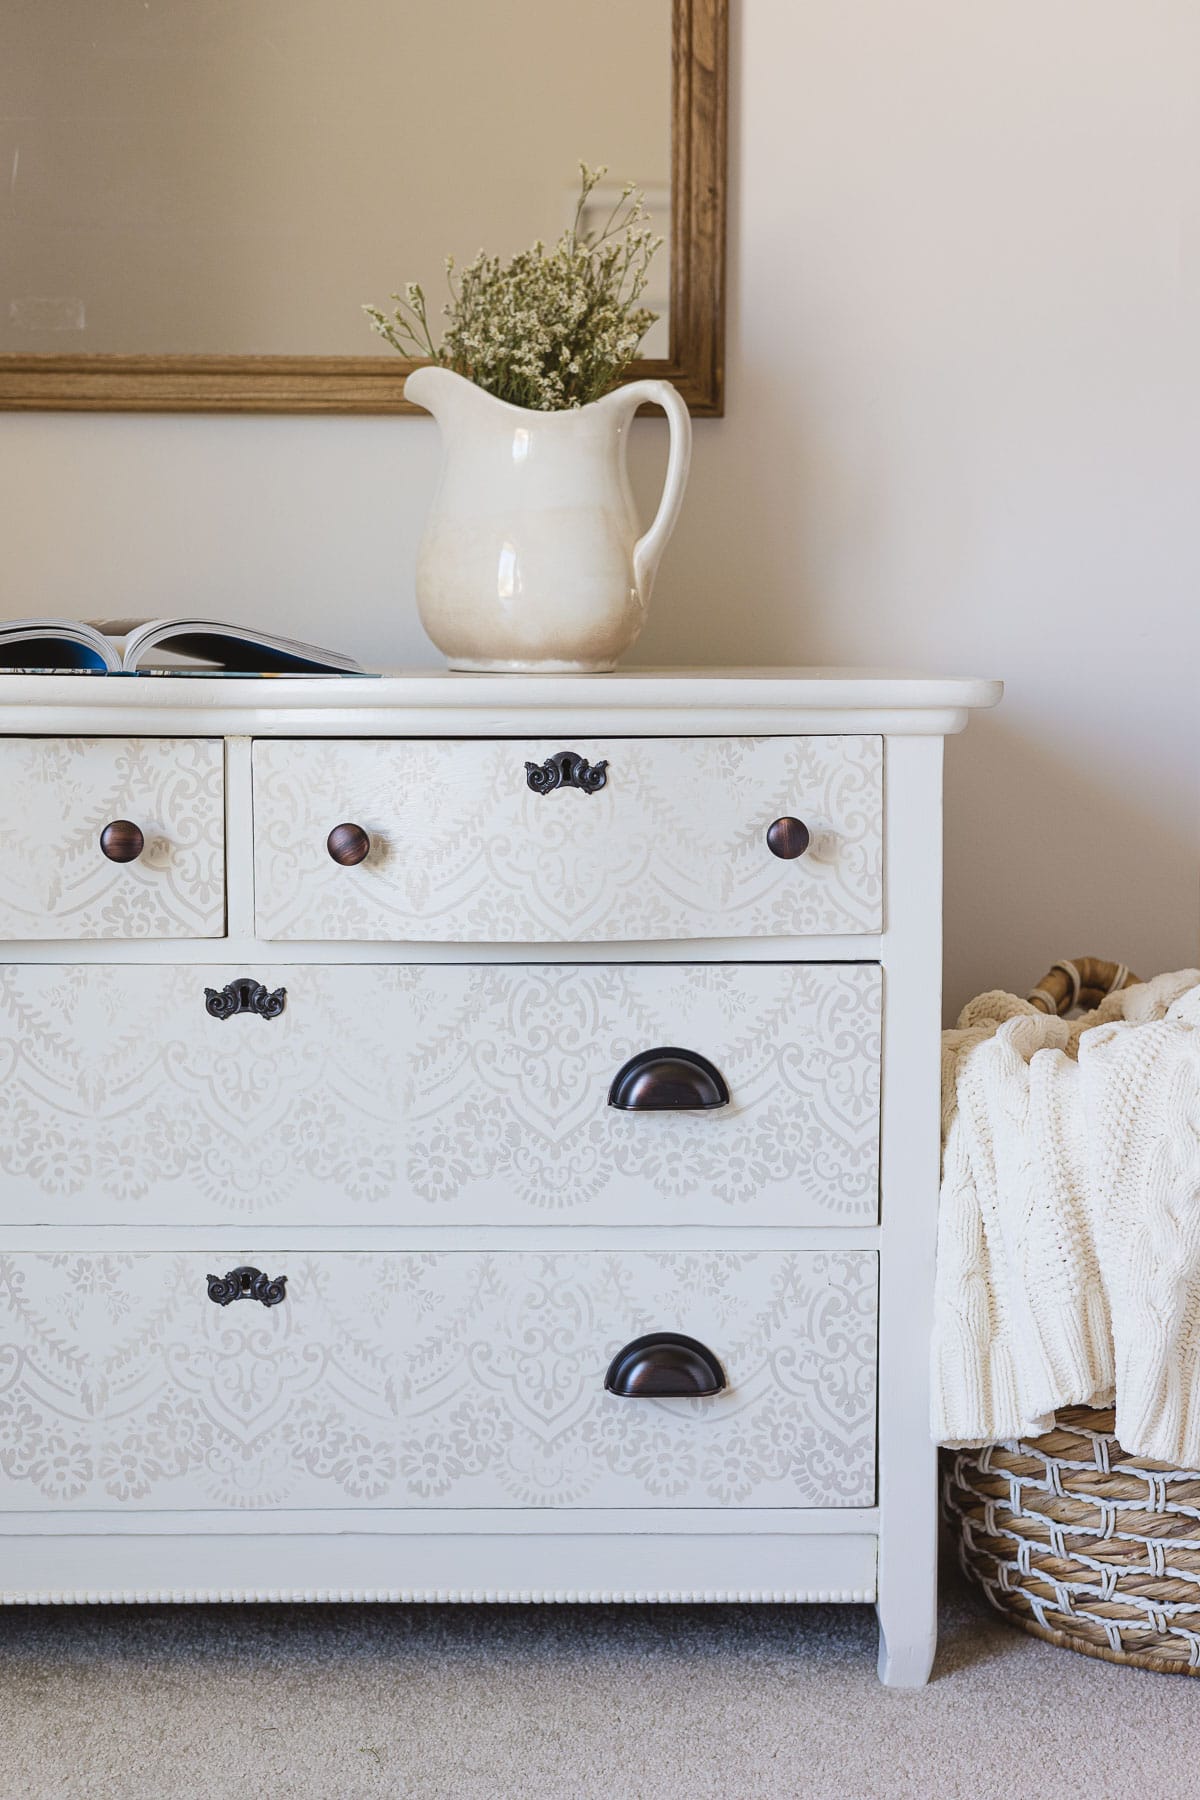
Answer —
(1069, 1234)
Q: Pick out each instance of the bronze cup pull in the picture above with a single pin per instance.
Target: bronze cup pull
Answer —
(348, 845)
(788, 838)
(667, 1080)
(665, 1365)
(246, 1284)
(122, 841)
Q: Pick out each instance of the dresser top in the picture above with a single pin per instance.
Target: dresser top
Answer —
(440, 703)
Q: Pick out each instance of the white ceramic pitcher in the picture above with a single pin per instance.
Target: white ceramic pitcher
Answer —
(531, 558)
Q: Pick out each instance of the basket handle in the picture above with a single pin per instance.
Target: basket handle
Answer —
(1084, 983)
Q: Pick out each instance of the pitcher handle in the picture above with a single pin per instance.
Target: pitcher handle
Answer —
(649, 548)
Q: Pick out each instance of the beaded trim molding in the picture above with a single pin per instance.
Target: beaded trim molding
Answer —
(439, 1596)
(1078, 1542)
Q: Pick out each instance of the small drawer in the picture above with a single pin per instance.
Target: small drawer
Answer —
(111, 838)
(678, 1093)
(633, 839)
(163, 1382)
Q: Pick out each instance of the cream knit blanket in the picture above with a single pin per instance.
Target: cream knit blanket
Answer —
(1069, 1235)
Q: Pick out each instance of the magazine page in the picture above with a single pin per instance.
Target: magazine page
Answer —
(48, 645)
(237, 649)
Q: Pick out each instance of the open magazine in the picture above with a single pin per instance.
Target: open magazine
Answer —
(127, 646)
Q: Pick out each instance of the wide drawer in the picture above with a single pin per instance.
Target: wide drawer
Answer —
(445, 1094)
(432, 1380)
(672, 845)
(56, 797)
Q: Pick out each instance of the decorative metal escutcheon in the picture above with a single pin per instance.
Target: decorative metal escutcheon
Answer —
(245, 995)
(566, 769)
(246, 1284)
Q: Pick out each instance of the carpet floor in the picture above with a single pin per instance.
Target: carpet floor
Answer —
(567, 1703)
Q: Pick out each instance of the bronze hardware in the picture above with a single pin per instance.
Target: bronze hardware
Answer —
(664, 1365)
(245, 995)
(566, 769)
(667, 1080)
(246, 1284)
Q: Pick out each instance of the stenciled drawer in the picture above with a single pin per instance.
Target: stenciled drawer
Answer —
(452, 1380)
(158, 873)
(374, 1094)
(632, 839)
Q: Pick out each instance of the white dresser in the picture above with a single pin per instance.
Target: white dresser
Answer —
(471, 1138)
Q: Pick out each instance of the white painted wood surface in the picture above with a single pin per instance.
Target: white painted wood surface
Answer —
(440, 704)
(442, 1565)
(460, 1380)
(911, 1163)
(387, 1095)
(622, 1542)
(56, 797)
(672, 846)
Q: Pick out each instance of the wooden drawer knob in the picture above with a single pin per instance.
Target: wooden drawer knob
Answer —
(348, 845)
(122, 841)
(787, 838)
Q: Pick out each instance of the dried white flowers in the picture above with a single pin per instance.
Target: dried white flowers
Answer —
(551, 329)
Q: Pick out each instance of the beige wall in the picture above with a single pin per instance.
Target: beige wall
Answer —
(962, 434)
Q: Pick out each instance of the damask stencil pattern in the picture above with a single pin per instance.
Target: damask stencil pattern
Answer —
(448, 1380)
(673, 846)
(474, 1095)
(56, 796)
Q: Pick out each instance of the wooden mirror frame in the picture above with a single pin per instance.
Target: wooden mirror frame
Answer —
(375, 384)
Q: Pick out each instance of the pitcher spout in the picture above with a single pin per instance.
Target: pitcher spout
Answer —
(444, 394)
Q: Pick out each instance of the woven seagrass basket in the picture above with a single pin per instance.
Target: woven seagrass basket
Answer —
(1068, 1536)
(1080, 1544)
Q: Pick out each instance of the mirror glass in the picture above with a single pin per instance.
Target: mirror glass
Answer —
(237, 177)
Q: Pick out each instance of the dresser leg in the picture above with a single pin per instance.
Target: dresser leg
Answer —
(906, 1580)
(905, 1655)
